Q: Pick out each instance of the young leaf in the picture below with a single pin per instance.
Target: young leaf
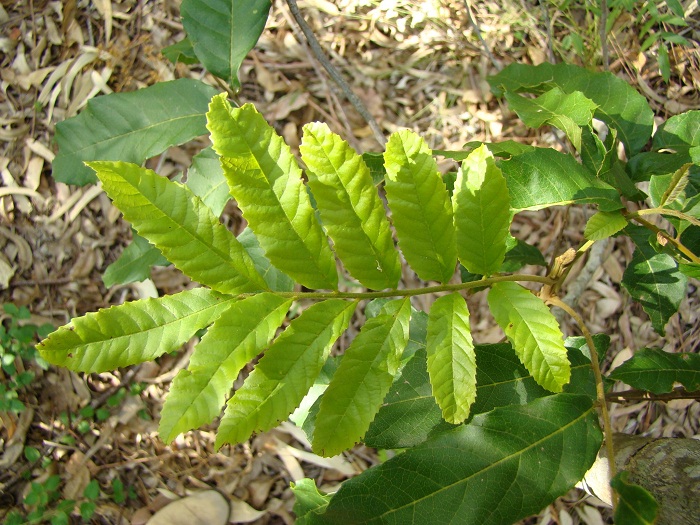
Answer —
(363, 378)
(636, 505)
(285, 373)
(187, 233)
(656, 371)
(567, 112)
(533, 332)
(420, 207)
(309, 501)
(481, 204)
(130, 127)
(536, 180)
(677, 184)
(133, 332)
(223, 32)
(503, 466)
(604, 224)
(451, 359)
(234, 339)
(265, 180)
(654, 280)
(351, 210)
(134, 264)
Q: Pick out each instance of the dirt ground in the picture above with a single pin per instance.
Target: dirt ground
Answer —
(421, 65)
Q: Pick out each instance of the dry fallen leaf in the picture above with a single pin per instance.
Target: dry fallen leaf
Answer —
(203, 508)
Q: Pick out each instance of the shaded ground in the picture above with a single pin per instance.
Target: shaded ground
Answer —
(419, 66)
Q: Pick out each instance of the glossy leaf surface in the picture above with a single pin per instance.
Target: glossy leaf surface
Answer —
(481, 205)
(451, 359)
(186, 231)
(351, 211)
(265, 180)
(421, 210)
(198, 393)
(533, 332)
(285, 373)
(362, 380)
(656, 371)
(503, 466)
(133, 332)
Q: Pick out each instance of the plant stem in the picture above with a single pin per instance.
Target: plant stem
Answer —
(410, 292)
(643, 395)
(604, 34)
(667, 211)
(663, 233)
(334, 74)
(599, 386)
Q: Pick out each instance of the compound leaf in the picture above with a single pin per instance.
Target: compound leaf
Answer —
(420, 207)
(222, 32)
(481, 205)
(351, 210)
(198, 393)
(451, 358)
(265, 180)
(656, 371)
(132, 332)
(130, 127)
(604, 224)
(533, 332)
(503, 466)
(362, 380)
(185, 230)
(286, 371)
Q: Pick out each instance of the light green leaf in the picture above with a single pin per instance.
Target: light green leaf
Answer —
(206, 180)
(266, 181)
(676, 186)
(187, 233)
(222, 32)
(363, 378)
(636, 506)
(619, 105)
(543, 177)
(130, 127)
(604, 224)
(533, 332)
(134, 264)
(351, 211)
(654, 280)
(503, 466)
(309, 500)
(420, 207)
(481, 205)
(690, 270)
(409, 415)
(198, 393)
(286, 371)
(656, 371)
(451, 358)
(275, 279)
(565, 111)
(133, 332)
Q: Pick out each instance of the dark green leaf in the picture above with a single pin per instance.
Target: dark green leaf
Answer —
(619, 105)
(654, 280)
(656, 371)
(503, 466)
(134, 264)
(222, 32)
(181, 51)
(636, 506)
(130, 127)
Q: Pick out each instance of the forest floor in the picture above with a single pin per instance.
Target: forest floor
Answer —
(419, 65)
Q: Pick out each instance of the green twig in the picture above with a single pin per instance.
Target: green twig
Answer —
(666, 236)
(599, 386)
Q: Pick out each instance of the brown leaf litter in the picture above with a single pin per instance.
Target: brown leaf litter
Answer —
(414, 64)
